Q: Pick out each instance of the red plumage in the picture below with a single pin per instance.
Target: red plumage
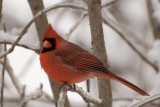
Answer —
(66, 62)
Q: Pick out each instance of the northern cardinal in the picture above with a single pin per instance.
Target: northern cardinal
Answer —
(66, 62)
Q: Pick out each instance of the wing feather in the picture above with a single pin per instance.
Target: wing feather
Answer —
(80, 59)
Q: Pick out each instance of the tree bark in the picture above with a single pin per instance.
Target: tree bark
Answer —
(99, 50)
(1, 1)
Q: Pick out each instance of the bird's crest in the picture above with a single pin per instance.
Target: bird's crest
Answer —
(50, 33)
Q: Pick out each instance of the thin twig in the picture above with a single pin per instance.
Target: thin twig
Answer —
(33, 96)
(24, 30)
(76, 25)
(123, 35)
(20, 89)
(125, 99)
(145, 101)
(21, 45)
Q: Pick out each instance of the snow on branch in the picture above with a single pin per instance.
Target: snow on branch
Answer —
(7, 38)
(24, 30)
(145, 101)
(34, 95)
(85, 95)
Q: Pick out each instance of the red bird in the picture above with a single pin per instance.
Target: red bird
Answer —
(66, 62)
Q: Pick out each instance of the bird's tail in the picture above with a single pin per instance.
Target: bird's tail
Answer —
(110, 75)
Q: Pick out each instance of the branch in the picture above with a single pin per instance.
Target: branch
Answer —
(123, 35)
(153, 15)
(1, 2)
(99, 50)
(87, 96)
(76, 25)
(24, 30)
(63, 94)
(2, 77)
(22, 45)
(41, 22)
(3, 71)
(20, 89)
(33, 96)
(146, 100)
(83, 16)
(7, 38)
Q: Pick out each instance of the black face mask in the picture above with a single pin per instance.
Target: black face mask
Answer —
(53, 43)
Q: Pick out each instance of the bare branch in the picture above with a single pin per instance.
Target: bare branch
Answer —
(21, 45)
(153, 15)
(75, 25)
(33, 96)
(63, 94)
(7, 38)
(41, 22)
(3, 71)
(56, 6)
(1, 2)
(18, 86)
(87, 97)
(123, 35)
(146, 100)
(99, 49)
(2, 76)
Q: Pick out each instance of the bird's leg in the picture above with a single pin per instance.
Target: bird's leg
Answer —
(67, 87)
(74, 87)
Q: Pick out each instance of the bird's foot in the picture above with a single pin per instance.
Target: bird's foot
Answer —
(68, 87)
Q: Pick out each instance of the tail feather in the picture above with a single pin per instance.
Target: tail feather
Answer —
(130, 85)
(110, 75)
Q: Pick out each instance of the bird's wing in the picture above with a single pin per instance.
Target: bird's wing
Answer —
(78, 58)
(84, 61)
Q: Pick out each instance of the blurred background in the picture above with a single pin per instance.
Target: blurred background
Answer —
(139, 19)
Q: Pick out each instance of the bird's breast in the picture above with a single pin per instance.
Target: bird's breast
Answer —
(61, 72)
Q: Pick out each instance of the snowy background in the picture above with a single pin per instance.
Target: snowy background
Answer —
(130, 14)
